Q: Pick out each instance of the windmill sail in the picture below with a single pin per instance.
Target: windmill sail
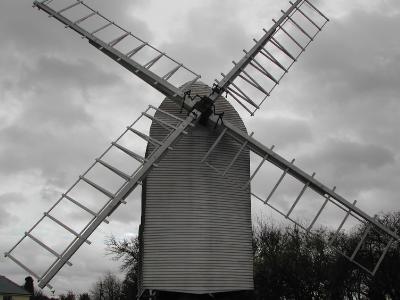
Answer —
(156, 68)
(95, 200)
(321, 197)
(254, 77)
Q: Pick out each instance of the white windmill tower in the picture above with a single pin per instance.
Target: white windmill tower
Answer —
(196, 223)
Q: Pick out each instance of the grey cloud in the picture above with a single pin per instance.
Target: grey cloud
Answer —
(121, 12)
(356, 168)
(7, 198)
(51, 71)
(357, 58)
(17, 31)
(130, 212)
(93, 261)
(205, 41)
(5, 217)
(51, 95)
(49, 90)
(283, 132)
(48, 193)
(29, 30)
(24, 149)
(350, 156)
(49, 108)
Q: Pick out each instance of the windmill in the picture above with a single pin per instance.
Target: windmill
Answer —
(199, 150)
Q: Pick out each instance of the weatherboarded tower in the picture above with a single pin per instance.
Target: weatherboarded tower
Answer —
(196, 233)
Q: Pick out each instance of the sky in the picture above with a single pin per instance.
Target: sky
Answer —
(62, 102)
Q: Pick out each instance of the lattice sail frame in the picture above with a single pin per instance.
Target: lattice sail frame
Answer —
(129, 180)
(267, 155)
(256, 75)
(155, 67)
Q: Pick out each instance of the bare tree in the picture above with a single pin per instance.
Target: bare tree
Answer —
(107, 288)
(84, 296)
(291, 265)
(126, 251)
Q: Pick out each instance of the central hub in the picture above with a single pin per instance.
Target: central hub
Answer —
(205, 106)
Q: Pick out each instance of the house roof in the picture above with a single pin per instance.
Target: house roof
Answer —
(9, 287)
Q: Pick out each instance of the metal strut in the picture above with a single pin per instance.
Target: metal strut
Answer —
(205, 105)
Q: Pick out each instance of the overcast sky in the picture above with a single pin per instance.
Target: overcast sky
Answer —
(62, 102)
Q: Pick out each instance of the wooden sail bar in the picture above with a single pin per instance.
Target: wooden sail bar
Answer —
(326, 194)
(256, 60)
(177, 127)
(162, 82)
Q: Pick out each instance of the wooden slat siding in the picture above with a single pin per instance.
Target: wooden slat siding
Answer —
(196, 228)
